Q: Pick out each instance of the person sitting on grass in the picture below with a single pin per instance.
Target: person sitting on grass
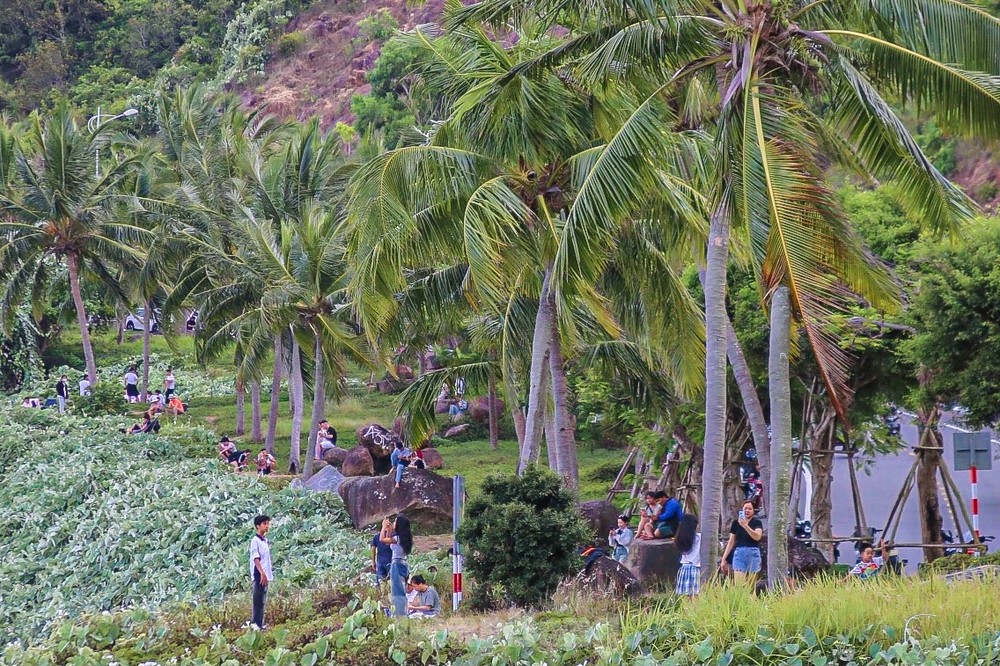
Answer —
(148, 425)
(175, 406)
(156, 401)
(427, 602)
(265, 463)
(229, 453)
(869, 565)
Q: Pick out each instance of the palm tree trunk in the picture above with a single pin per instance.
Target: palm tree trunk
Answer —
(255, 429)
(551, 450)
(929, 455)
(514, 405)
(272, 417)
(563, 426)
(780, 389)
(748, 393)
(319, 403)
(491, 399)
(715, 390)
(146, 334)
(538, 383)
(73, 265)
(295, 387)
(120, 323)
(241, 408)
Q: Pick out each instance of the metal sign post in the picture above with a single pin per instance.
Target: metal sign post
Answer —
(457, 507)
(973, 451)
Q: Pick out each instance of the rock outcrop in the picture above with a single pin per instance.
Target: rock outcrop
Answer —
(327, 480)
(358, 462)
(601, 515)
(654, 561)
(425, 498)
(604, 577)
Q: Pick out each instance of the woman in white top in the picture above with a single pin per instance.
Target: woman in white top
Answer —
(688, 542)
(169, 384)
(620, 539)
(397, 535)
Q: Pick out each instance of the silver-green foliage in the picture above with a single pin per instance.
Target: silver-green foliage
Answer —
(94, 520)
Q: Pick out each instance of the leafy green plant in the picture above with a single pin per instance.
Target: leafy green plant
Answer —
(290, 42)
(522, 536)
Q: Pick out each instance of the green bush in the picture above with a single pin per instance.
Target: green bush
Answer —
(290, 42)
(377, 26)
(521, 536)
(960, 562)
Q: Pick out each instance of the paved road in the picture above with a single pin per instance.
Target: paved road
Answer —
(880, 489)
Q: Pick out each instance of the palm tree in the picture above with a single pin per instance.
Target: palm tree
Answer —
(757, 75)
(54, 207)
(491, 189)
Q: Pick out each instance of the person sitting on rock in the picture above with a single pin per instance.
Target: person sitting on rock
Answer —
(399, 459)
(619, 539)
(230, 454)
(324, 441)
(669, 518)
(265, 463)
(869, 566)
(458, 409)
(648, 516)
(427, 602)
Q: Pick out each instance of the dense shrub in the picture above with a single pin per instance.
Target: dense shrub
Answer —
(521, 536)
(290, 42)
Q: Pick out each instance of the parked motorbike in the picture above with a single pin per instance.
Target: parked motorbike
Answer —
(948, 538)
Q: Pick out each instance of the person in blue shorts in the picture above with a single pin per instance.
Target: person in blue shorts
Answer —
(744, 543)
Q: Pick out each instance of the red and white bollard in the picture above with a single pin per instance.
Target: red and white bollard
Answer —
(974, 477)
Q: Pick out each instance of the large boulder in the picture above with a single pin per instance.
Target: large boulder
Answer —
(456, 430)
(604, 577)
(357, 462)
(379, 440)
(335, 456)
(327, 480)
(601, 515)
(803, 561)
(432, 458)
(391, 386)
(425, 498)
(654, 561)
(479, 408)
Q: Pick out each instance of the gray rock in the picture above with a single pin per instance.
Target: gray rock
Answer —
(606, 578)
(654, 561)
(327, 480)
(378, 439)
(602, 516)
(456, 430)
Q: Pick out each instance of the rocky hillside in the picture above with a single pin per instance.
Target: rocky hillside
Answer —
(329, 66)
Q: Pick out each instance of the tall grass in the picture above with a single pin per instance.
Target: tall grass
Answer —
(874, 612)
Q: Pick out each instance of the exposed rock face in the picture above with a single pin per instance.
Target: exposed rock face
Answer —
(456, 430)
(604, 577)
(425, 498)
(327, 480)
(803, 561)
(602, 517)
(432, 458)
(335, 456)
(357, 462)
(378, 439)
(654, 561)
(479, 408)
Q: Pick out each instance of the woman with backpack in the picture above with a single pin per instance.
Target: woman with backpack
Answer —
(397, 535)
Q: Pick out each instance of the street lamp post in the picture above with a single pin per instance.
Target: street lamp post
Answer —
(95, 123)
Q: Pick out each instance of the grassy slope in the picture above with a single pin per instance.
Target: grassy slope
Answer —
(473, 459)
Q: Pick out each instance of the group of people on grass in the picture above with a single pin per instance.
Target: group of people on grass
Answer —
(239, 458)
(452, 401)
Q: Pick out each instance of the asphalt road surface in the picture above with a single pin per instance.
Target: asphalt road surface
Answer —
(880, 488)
